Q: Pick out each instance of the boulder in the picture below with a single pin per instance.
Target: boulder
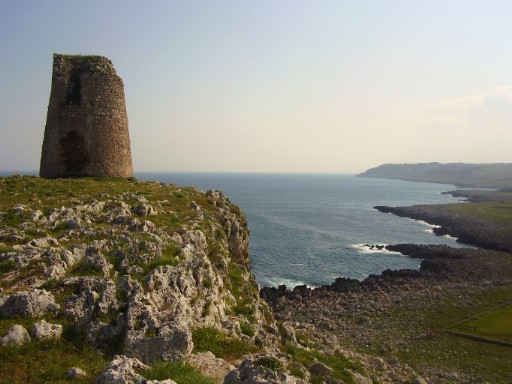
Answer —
(29, 303)
(207, 362)
(43, 330)
(122, 370)
(171, 343)
(251, 373)
(320, 369)
(76, 373)
(144, 209)
(17, 335)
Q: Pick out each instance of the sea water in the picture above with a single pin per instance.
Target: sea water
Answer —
(311, 228)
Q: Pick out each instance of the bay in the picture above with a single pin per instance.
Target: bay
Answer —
(311, 228)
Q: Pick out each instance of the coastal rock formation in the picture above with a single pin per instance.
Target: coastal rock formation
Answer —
(365, 315)
(467, 229)
(86, 130)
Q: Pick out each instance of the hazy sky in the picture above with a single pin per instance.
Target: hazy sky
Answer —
(273, 85)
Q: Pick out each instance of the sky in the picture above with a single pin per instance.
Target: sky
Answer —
(273, 85)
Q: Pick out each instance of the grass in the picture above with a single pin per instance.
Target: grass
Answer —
(181, 373)
(247, 329)
(48, 362)
(495, 211)
(244, 292)
(494, 324)
(7, 266)
(270, 363)
(432, 347)
(340, 365)
(220, 344)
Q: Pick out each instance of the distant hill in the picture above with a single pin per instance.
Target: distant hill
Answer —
(497, 175)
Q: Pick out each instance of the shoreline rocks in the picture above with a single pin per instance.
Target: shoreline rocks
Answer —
(467, 229)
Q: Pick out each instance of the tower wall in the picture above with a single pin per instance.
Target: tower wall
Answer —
(86, 131)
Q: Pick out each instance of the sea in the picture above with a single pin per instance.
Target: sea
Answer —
(312, 228)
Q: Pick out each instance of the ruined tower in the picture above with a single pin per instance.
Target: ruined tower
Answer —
(86, 131)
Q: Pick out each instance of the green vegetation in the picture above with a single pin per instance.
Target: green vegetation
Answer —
(48, 361)
(181, 373)
(495, 324)
(244, 292)
(428, 345)
(247, 329)
(337, 362)
(221, 345)
(7, 266)
(464, 175)
(495, 211)
(270, 363)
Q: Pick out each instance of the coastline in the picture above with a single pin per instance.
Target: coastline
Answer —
(389, 315)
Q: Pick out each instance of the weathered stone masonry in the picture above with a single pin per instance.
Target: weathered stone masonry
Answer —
(86, 130)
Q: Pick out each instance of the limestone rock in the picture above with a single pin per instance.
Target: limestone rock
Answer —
(17, 335)
(360, 379)
(43, 330)
(29, 303)
(250, 373)
(172, 342)
(144, 209)
(76, 373)
(207, 362)
(122, 370)
(95, 296)
(320, 369)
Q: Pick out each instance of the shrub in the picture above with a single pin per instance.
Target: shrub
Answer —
(178, 371)
(247, 329)
(221, 345)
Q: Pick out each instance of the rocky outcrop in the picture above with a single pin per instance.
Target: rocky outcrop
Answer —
(28, 303)
(250, 372)
(123, 370)
(136, 268)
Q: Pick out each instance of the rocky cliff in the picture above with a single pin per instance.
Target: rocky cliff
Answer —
(137, 269)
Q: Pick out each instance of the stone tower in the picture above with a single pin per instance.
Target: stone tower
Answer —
(86, 131)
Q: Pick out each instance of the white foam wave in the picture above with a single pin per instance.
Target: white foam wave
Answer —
(372, 248)
(290, 283)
